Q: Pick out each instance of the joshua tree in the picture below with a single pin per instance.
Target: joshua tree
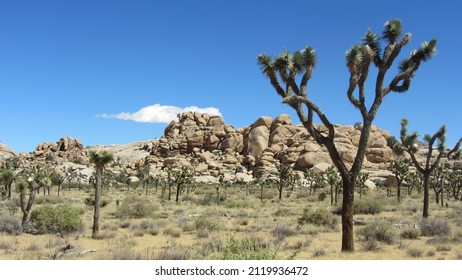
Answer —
(455, 184)
(415, 181)
(182, 177)
(333, 180)
(33, 178)
(409, 144)
(360, 180)
(290, 66)
(286, 178)
(100, 159)
(437, 180)
(6, 178)
(144, 177)
(399, 168)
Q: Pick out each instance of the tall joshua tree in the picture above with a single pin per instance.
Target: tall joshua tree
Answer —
(100, 159)
(409, 144)
(289, 74)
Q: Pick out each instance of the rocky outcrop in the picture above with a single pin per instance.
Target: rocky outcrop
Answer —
(209, 147)
(260, 147)
(6, 152)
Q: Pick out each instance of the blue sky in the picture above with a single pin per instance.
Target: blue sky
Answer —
(70, 68)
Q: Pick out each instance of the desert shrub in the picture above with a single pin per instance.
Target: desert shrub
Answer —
(282, 231)
(242, 203)
(368, 205)
(409, 233)
(443, 248)
(299, 244)
(125, 224)
(319, 252)
(206, 223)
(379, 231)
(145, 226)
(248, 248)
(371, 245)
(318, 217)
(48, 199)
(283, 212)
(136, 207)
(10, 225)
(90, 201)
(415, 252)
(173, 232)
(207, 199)
(435, 227)
(211, 246)
(122, 248)
(322, 196)
(63, 218)
(172, 252)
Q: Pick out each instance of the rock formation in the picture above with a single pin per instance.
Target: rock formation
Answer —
(209, 147)
(6, 152)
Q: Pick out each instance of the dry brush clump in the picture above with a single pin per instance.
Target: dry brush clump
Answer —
(409, 233)
(435, 227)
(10, 224)
(135, 207)
(318, 217)
(378, 231)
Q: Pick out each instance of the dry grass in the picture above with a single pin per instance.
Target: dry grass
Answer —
(194, 230)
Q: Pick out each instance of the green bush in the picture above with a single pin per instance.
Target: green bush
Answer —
(242, 203)
(379, 231)
(136, 207)
(368, 205)
(435, 227)
(53, 219)
(48, 199)
(318, 217)
(249, 248)
(207, 223)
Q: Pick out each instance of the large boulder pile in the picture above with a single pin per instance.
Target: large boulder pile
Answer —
(6, 152)
(67, 149)
(210, 147)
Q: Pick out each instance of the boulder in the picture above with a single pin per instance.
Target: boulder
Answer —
(233, 141)
(206, 179)
(243, 178)
(68, 144)
(305, 161)
(320, 168)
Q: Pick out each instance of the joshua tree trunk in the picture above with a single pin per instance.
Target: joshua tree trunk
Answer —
(347, 216)
(178, 188)
(426, 202)
(26, 205)
(96, 214)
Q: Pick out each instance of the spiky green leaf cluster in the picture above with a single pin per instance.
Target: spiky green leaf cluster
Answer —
(392, 31)
(21, 185)
(265, 62)
(408, 141)
(372, 40)
(296, 62)
(426, 51)
(354, 58)
(101, 158)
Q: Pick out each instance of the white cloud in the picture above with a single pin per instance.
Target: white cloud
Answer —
(159, 113)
